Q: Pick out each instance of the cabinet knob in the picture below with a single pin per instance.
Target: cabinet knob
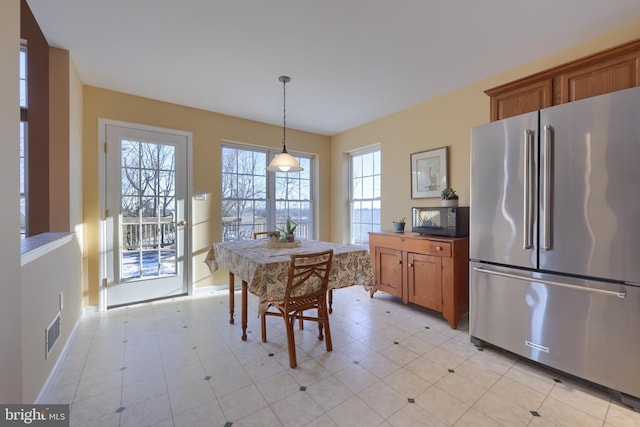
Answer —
(399, 261)
(410, 264)
(438, 248)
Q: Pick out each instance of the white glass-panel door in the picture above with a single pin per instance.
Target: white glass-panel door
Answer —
(146, 214)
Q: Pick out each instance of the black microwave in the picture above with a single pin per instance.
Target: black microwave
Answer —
(441, 221)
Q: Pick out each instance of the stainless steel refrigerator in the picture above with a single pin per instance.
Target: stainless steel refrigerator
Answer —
(555, 238)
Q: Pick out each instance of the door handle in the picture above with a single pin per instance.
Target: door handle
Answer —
(182, 223)
(527, 227)
(621, 294)
(546, 188)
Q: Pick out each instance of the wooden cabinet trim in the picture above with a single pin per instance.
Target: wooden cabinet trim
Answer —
(628, 64)
(560, 77)
(541, 91)
(598, 57)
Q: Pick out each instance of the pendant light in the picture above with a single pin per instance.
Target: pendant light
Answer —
(284, 162)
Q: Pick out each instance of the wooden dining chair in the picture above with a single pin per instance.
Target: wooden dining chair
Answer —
(307, 282)
(262, 233)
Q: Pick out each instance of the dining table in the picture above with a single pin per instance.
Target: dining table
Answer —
(263, 268)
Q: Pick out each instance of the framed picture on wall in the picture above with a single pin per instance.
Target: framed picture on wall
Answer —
(429, 173)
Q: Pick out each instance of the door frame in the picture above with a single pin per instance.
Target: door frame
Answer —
(102, 203)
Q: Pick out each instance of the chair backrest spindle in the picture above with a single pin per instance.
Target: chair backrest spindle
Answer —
(308, 274)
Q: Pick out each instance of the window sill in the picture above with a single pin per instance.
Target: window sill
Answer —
(38, 246)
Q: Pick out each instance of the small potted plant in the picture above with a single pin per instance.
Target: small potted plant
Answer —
(289, 229)
(449, 197)
(398, 226)
(273, 236)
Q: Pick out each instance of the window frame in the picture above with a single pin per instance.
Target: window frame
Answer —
(272, 222)
(23, 82)
(305, 229)
(373, 226)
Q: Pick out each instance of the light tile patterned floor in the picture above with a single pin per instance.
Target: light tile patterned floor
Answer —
(180, 363)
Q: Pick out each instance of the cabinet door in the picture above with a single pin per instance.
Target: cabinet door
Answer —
(598, 79)
(388, 268)
(521, 99)
(425, 280)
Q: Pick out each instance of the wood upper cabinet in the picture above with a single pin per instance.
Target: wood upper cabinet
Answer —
(522, 99)
(598, 79)
(608, 71)
(428, 271)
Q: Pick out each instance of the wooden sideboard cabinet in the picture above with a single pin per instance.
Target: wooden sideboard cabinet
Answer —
(429, 271)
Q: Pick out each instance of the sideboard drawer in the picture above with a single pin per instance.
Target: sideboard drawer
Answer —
(437, 248)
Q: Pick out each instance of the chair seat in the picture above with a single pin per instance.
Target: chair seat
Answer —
(300, 303)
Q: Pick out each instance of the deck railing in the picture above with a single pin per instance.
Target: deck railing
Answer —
(148, 233)
(233, 229)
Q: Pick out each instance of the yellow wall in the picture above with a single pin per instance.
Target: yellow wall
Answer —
(209, 130)
(439, 122)
(59, 271)
(40, 304)
(442, 121)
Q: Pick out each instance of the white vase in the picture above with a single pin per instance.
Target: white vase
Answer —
(450, 203)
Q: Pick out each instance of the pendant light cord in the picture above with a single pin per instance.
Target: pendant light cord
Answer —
(284, 162)
(284, 114)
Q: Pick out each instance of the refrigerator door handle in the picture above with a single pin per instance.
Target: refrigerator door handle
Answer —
(527, 227)
(621, 294)
(546, 188)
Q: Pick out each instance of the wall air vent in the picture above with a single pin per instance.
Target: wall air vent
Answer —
(52, 334)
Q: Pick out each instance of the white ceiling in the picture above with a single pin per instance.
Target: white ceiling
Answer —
(351, 61)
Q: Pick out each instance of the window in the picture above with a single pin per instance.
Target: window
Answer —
(23, 138)
(255, 200)
(364, 170)
(293, 198)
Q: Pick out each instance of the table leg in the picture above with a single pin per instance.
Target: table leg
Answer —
(330, 300)
(231, 296)
(244, 310)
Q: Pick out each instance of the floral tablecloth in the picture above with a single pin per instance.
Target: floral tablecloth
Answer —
(265, 269)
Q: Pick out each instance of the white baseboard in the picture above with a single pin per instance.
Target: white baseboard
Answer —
(53, 375)
(90, 309)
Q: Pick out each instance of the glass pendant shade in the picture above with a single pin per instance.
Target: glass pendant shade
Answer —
(284, 162)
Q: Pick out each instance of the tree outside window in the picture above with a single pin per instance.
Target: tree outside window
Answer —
(255, 200)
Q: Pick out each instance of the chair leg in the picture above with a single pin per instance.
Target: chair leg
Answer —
(289, 320)
(300, 320)
(263, 321)
(320, 323)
